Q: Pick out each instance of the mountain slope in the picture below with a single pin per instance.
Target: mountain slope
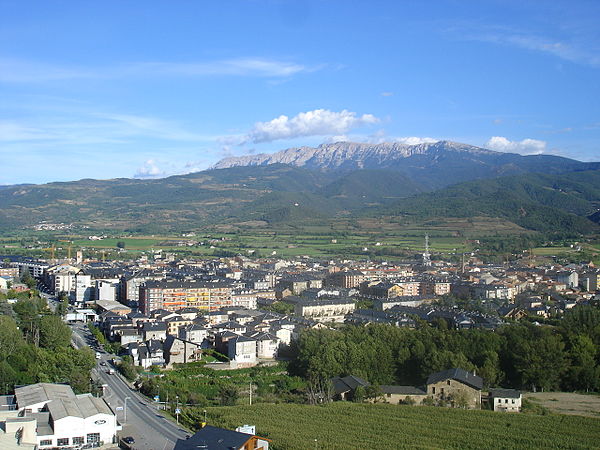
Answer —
(546, 203)
(176, 202)
(430, 165)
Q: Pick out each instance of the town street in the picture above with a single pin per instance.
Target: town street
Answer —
(143, 422)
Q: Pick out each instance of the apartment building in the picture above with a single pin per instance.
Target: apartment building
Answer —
(173, 295)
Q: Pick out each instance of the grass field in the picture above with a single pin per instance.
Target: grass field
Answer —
(568, 403)
(352, 426)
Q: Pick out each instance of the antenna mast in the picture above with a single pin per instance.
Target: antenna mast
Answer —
(426, 254)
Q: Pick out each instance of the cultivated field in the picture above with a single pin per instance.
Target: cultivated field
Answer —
(365, 426)
(568, 403)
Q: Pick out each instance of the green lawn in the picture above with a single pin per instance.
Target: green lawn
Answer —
(347, 426)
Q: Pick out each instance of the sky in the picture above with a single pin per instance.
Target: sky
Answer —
(155, 88)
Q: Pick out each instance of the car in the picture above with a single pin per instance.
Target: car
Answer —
(129, 440)
(103, 363)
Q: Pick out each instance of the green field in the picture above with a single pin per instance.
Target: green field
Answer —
(358, 239)
(344, 425)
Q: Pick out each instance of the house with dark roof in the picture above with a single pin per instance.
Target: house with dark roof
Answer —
(345, 387)
(456, 387)
(214, 438)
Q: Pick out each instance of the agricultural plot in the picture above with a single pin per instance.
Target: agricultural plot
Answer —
(347, 425)
(568, 403)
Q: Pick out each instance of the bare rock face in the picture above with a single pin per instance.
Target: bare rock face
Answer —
(352, 155)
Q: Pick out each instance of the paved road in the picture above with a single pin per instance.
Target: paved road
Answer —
(143, 422)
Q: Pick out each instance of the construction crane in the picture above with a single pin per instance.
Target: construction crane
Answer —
(52, 251)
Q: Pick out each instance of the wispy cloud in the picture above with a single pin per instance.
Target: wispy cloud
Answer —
(569, 51)
(95, 128)
(19, 71)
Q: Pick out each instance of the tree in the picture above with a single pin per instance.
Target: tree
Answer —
(228, 394)
(127, 368)
(121, 244)
(54, 333)
(10, 337)
(359, 394)
(584, 373)
(534, 356)
(28, 279)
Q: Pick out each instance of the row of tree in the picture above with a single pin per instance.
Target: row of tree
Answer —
(524, 356)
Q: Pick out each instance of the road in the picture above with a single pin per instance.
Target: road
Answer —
(143, 422)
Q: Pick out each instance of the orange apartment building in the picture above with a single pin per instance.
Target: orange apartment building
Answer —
(173, 295)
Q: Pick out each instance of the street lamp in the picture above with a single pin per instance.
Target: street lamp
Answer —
(177, 408)
(125, 412)
(205, 417)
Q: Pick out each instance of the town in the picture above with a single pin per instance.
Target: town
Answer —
(160, 314)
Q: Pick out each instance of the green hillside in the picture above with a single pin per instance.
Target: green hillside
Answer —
(344, 425)
(371, 185)
(545, 203)
(285, 195)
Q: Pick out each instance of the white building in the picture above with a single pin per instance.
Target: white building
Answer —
(193, 333)
(508, 400)
(242, 351)
(59, 418)
(107, 289)
(267, 345)
(83, 288)
(325, 310)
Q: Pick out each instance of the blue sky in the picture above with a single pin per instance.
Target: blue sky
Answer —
(153, 88)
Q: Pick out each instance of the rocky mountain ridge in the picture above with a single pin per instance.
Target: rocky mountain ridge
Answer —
(350, 155)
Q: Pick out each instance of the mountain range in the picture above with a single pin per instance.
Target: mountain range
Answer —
(432, 165)
(541, 192)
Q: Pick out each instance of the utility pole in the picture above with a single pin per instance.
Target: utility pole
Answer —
(125, 410)
(251, 393)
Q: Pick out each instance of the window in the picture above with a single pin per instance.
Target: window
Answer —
(448, 382)
(93, 437)
(433, 390)
(506, 401)
(78, 440)
(499, 400)
(45, 442)
(389, 395)
(61, 442)
(513, 401)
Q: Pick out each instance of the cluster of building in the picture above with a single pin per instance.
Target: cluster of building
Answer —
(454, 387)
(246, 337)
(167, 311)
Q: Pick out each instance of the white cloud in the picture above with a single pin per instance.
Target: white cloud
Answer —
(19, 71)
(414, 140)
(526, 146)
(380, 137)
(149, 170)
(387, 94)
(320, 122)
